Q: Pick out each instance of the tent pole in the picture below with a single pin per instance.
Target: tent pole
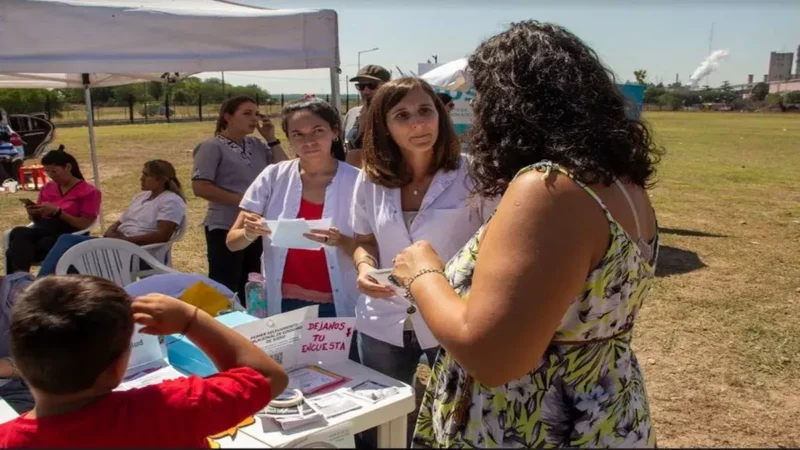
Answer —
(87, 96)
(336, 99)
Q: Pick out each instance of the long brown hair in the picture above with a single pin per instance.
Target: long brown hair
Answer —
(383, 161)
(230, 106)
(165, 169)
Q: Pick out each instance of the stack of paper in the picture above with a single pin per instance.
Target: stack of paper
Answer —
(292, 417)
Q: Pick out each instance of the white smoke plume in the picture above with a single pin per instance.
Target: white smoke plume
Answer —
(710, 64)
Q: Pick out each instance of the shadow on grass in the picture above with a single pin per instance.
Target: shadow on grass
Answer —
(676, 261)
(681, 232)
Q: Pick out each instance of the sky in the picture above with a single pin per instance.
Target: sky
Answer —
(662, 37)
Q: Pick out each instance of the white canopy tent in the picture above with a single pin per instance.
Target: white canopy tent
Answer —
(97, 43)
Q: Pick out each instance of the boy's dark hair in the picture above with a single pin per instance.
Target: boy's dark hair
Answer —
(66, 330)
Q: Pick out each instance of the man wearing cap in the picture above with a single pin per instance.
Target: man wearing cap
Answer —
(368, 79)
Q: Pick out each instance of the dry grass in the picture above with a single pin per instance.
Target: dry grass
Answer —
(719, 338)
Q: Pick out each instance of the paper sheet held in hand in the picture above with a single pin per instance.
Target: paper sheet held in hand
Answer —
(288, 233)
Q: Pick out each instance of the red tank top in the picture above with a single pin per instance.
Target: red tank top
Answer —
(305, 274)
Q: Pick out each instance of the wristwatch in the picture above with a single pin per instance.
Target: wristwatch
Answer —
(274, 143)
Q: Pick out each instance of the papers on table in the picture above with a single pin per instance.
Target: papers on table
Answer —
(333, 404)
(293, 417)
(311, 379)
(372, 391)
(288, 233)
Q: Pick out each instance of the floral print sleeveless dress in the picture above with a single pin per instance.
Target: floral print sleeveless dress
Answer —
(587, 390)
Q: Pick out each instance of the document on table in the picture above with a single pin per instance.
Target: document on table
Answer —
(311, 379)
(372, 391)
(333, 404)
(289, 233)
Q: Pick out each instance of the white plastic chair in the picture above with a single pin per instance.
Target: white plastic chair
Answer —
(113, 259)
(163, 251)
(84, 232)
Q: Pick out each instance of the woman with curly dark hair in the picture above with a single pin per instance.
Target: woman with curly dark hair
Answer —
(535, 314)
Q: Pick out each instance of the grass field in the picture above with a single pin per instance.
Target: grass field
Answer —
(718, 339)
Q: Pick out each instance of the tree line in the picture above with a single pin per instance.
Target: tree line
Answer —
(676, 96)
(188, 91)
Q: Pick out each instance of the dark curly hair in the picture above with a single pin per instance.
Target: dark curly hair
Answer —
(383, 162)
(542, 94)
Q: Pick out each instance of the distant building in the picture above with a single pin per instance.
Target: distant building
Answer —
(780, 66)
(782, 87)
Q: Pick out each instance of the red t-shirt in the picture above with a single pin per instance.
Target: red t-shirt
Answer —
(176, 413)
(305, 273)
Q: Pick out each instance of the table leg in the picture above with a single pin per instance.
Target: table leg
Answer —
(393, 434)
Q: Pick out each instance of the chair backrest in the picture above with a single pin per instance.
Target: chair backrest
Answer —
(163, 251)
(112, 259)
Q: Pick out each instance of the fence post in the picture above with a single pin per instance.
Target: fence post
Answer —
(47, 105)
(346, 103)
(200, 106)
(166, 104)
(328, 98)
(282, 102)
(131, 102)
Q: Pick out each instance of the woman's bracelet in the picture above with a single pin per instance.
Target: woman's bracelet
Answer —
(364, 261)
(422, 272)
(249, 239)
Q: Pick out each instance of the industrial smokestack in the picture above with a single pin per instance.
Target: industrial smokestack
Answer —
(797, 64)
(750, 79)
(766, 78)
(710, 64)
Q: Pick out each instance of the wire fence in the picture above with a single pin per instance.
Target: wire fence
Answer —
(137, 112)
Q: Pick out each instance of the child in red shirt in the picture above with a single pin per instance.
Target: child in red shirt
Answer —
(70, 340)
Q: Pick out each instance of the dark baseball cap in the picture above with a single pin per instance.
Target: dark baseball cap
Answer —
(372, 73)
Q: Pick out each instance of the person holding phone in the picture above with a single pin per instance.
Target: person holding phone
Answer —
(316, 185)
(224, 167)
(65, 204)
(414, 186)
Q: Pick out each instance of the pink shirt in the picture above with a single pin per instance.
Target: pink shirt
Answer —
(82, 200)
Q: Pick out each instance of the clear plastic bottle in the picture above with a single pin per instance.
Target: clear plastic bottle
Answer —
(255, 296)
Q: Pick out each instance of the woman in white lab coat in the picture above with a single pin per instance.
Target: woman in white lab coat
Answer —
(414, 186)
(315, 185)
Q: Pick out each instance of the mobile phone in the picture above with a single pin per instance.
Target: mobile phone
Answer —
(385, 277)
(27, 202)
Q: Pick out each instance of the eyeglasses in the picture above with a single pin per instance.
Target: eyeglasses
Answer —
(370, 86)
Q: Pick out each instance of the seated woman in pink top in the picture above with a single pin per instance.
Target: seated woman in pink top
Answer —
(65, 205)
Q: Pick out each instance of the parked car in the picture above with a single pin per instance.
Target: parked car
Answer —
(33, 132)
(30, 135)
(14, 138)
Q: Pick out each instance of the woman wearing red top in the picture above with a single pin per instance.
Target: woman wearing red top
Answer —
(316, 185)
(66, 204)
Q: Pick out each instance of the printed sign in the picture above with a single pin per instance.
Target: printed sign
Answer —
(279, 335)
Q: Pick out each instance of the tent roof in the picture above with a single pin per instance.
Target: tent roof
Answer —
(49, 43)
